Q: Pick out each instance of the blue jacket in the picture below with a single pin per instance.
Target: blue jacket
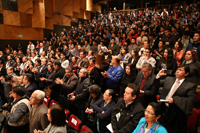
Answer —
(115, 75)
(160, 128)
(195, 47)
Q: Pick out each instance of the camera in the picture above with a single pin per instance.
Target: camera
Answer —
(6, 107)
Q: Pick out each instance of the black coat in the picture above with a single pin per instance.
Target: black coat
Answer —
(41, 73)
(126, 79)
(129, 118)
(59, 73)
(175, 118)
(30, 89)
(149, 87)
(133, 65)
(104, 119)
(82, 92)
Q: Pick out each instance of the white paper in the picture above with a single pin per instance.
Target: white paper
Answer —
(163, 100)
(109, 126)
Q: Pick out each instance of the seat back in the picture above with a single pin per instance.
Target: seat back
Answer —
(74, 122)
(158, 97)
(46, 101)
(85, 128)
(67, 112)
(193, 119)
(53, 102)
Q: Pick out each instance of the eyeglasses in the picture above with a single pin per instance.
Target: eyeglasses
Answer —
(149, 112)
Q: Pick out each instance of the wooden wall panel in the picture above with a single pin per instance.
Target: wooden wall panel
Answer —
(2, 31)
(87, 15)
(83, 4)
(49, 23)
(94, 8)
(81, 14)
(1, 9)
(76, 6)
(49, 8)
(11, 18)
(25, 6)
(89, 5)
(61, 20)
(10, 32)
(57, 6)
(74, 18)
(38, 1)
(38, 17)
(25, 20)
(98, 7)
(68, 7)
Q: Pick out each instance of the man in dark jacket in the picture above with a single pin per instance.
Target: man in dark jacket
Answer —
(168, 39)
(128, 111)
(29, 85)
(59, 73)
(81, 93)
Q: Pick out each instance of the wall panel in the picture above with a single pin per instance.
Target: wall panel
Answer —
(49, 8)
(83, 4)
(1, 9)
(11, 18)
(57, 6)
(38, 17)
(68, 7)
(25, 6)
(74, 18)
(89, 5)
(76, 6)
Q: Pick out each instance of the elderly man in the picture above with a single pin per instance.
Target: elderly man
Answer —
(145, 81)
(114, 74)
(81, 93)
(38, 114)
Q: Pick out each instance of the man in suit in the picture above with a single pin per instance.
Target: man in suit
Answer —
(145, 80)
(68, 82)
(82, 62)
(29, 85)
(59, 73)
(10, 62)
(2, 74)
(23, 66)
(41, 72)
(180, 96)
(38, 114)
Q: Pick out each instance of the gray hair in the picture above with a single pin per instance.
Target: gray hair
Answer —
(148, 65)
(94, 89)
(40, 95)
(69, 68)
(84, 70)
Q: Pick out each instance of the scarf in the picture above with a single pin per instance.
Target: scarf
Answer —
(151, 130)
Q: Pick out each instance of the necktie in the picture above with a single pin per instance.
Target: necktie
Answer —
(172, 91)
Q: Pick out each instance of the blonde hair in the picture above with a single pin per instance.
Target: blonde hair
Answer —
(15, 78)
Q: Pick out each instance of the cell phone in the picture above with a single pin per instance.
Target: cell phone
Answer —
(102, 47)
(169, 72)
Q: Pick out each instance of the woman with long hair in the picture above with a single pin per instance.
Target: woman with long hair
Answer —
(178, 52)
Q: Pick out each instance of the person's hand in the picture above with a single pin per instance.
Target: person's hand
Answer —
(18, 67)
(35, 131)
(72, 98)
(4, 112)
(10, 94)
(1, 78)
(171, 101)
(141, 91)
(103, 112)
(42, 79)
(162, 73)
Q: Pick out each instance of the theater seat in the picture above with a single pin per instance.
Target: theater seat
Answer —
(158, 97)
(85, 128)
(193, 120)
(46, 101)
(74, 122)
(67, 112)
(53, 102)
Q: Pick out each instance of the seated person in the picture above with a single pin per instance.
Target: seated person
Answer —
(17, 117)
(128, 111)
(150, 121)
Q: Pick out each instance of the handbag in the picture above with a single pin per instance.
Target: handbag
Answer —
(47, 92)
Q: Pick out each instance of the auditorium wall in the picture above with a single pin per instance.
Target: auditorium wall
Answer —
(25, 20)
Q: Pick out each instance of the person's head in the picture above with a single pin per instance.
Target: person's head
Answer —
(50, 67)
(94, 90)
(178, 46)
(90, 52)
(37, 97)
(1, 63)
(190, 55)
(56, 115)
(133, 41)
(9, 57)
(115, 60)
(27, 79)
(99, 60)
(124, 50)
(167, 32)
(20, 80)
(188, 15)
(56, 64)
(128, 69)
(196, 37)
(160, 44)
(17, 92)
(168, 53)
(37, 62)
(24, 59)
(109, 95)
(146, 69)
(43, 62)
(62, 56)
(146, 44)
(131, 93)
(41, 44)
(182, 71)
(82, 54)
(148, 52)
(68, 72)
(83, 73)
(10, 70)
(153, 112)
(92, 61)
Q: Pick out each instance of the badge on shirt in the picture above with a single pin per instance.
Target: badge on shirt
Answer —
(118, 116)
(166, 43)
(113, 72)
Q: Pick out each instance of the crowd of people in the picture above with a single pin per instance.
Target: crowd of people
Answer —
(109, 70)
